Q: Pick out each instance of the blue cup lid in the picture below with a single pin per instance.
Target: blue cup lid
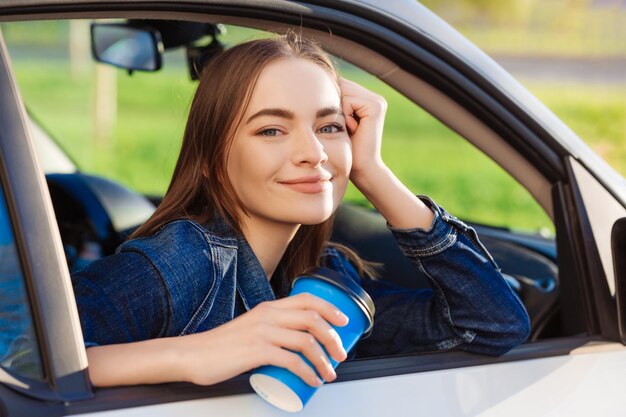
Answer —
(354, 290)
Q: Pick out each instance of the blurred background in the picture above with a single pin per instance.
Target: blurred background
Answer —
(569, 53)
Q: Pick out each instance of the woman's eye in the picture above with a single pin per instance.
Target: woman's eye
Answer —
(269, 132)
(332, 128)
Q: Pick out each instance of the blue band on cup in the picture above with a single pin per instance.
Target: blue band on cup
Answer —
(353, 289)
(283, 388)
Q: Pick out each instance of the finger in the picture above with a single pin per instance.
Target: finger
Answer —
(348, 112)
(352, 88)
(351, 124)
(306, 344)
(306, 301)
(294, 363)
(346, 106)
(360, 108)
(317, 327)
(350, 96)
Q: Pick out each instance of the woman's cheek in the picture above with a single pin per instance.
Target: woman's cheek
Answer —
(340, 153)
(349, 154)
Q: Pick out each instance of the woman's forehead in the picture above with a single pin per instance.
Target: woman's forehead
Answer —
(295, 84)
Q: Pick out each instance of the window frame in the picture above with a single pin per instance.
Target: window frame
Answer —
(41, 255)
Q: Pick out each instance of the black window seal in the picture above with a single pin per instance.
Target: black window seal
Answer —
(597, 289)
(576, 307)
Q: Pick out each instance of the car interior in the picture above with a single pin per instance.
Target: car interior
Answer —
(95, 214)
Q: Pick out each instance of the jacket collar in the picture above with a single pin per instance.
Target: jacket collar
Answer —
(252, 283)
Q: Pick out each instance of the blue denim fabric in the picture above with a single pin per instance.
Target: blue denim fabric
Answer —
(188, 278)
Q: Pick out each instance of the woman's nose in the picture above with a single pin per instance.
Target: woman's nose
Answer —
(308, 149)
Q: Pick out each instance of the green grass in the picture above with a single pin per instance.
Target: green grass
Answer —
(597, 113)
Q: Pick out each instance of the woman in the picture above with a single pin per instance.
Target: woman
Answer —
(272, 139)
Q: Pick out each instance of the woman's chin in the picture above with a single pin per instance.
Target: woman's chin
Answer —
(312, 222)
(313, 215)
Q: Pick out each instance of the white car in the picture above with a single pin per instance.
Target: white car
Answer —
(572, 285)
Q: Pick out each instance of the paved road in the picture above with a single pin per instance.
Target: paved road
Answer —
(580, 70)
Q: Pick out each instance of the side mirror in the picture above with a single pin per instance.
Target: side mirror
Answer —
(127, 46)
(618, 246)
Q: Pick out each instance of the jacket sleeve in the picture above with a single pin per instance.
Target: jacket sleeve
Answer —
(121, 298)
(470, 305)
(156, 286)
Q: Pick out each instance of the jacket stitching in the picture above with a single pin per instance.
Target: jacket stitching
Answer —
(195, 318)
(439, 247)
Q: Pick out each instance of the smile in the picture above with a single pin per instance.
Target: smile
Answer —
(308, 185)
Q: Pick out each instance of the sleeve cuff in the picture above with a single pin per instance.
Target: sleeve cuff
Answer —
(425, 242)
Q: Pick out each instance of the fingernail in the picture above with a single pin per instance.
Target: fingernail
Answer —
(318, 382)
(343, 316)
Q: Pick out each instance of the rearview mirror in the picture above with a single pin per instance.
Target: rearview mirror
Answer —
(618, 246)
(126, 46)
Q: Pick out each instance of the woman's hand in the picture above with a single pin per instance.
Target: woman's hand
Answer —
(269, 334)
(365, 117)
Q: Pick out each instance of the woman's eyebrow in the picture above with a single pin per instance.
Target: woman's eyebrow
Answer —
(285, 114)
(327, 111)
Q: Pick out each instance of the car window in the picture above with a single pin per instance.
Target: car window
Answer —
(135, 137)
(18, 343)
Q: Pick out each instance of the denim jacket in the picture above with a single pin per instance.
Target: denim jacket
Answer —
(189, 278)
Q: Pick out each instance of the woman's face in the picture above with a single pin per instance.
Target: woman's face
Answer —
(290, 158)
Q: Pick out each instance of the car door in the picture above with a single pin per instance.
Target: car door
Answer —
(576, 374)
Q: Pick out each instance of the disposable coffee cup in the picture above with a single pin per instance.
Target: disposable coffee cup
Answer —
(287, 391)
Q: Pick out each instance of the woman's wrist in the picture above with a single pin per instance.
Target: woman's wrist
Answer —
(398, 205)
(367, 179)
(213, 356)
(196, 359)
(180, 359)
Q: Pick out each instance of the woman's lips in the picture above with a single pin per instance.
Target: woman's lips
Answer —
(308, 185)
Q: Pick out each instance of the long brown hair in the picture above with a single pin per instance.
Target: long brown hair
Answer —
(200, 187)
